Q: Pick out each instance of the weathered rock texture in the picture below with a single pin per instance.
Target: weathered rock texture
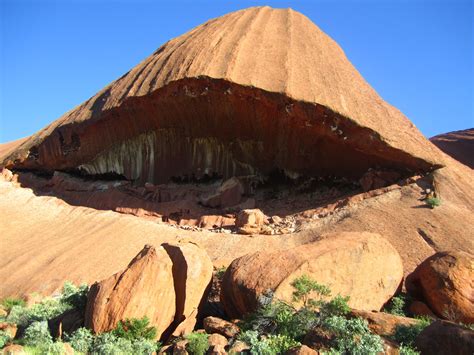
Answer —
(192, 273)
(445, 338)
(446, 282)
(363, 266)
(458, 144)
(144, 288)
(252, 91)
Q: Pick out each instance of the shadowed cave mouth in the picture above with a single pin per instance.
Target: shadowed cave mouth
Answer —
(204, 130)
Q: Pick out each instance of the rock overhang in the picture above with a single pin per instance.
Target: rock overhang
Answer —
(270, 92)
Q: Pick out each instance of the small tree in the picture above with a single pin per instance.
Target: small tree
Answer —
(134, 328)
(304, 286)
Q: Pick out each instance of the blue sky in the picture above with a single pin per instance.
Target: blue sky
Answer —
(417, 54)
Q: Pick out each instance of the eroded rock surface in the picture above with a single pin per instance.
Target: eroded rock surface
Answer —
(363, 266)
(458, 144)
(144, 288)
(446, 282)
(216, 100)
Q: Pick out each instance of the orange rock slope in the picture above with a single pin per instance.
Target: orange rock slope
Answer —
(249, 92)
(253, 91)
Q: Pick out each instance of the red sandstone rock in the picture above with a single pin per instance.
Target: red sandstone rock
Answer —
(13, 349)
(144, 288)
(301, 350)
(446, 282)
(382, 323)
(192, 273)
(245, 112)
(220, 326)
(250, 221)
(445, 338)
(420, 309)
(458, 144)
(227, 195)
(331, 261)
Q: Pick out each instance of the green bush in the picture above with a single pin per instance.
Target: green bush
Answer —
(406, 335)
(220, 272)
(352, 336)
(433, 202)
(197, 343)
(37, 335)
(132, 329)
(269, 345)
(304, 287)
(397, 305)
(407, 350)
(4, 339)
(74, 296)
(81, 340)
(56, 348)
(10, 302)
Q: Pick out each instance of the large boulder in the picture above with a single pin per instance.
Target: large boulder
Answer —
(382, 323)
(446, 282)
(144, 288)
(227, 195)
(192, 273)
(445, 338)
(363, 266)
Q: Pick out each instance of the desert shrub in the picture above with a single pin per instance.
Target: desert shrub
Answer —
(81, 340)
(135, 329)
(337, 306)
(37, 335)
(305, 286)
(74, 296)
(269, 345)
(406, 335)
(220, 272)
(407, 350)
(397, 305)
(352, 336)
(46, 349)
(4, 338)
(45, 310)
(197, 343)
(108, 343)
(10, 302)
(433, 202)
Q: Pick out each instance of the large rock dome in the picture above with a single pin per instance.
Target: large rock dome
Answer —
(250, 92)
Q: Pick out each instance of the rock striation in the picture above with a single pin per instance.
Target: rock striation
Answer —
(248, 93)
(363, 266)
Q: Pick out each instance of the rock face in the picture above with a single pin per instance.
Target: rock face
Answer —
(144, 288)
(446, 282)
(363, 266)
(247, 93)
(445, 338)
(458, 144)
(192, 273)
(382, 323)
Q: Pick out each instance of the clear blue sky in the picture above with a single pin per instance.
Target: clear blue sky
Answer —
(417, 54)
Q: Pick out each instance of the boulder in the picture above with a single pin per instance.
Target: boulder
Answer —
(239, 347)
(382, 323)
(220, 326)
(363, 266)
(445, 338)
(445, 282)
(144, 288)
(9, 329)
(217, 340)
(250, 221)
(420, 309)
(13, 349)
(227, 195)
(301, 350)
(192, 273)
(180, 347)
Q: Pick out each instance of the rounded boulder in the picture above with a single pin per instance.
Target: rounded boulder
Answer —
(363, 266)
